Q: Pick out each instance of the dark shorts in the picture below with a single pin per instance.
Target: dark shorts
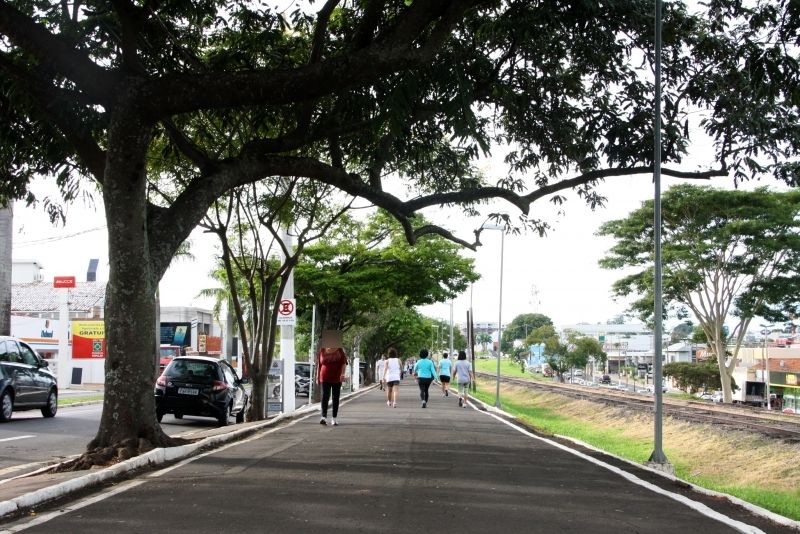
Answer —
(393, 383)
(444, 379)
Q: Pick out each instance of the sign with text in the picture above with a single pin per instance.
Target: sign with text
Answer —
(287, 313)
(64, 282)
(88, 339)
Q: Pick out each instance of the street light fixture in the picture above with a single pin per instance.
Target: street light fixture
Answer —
(500, 307)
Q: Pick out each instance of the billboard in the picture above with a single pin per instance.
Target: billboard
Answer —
(88, 338)
(176, 334)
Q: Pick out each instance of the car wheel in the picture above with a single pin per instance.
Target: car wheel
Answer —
(51, 407)
(159, 415)
(178, 415)
(224, 416)
(6, 406)
(240, 416)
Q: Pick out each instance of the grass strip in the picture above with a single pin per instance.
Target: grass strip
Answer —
(66, 401)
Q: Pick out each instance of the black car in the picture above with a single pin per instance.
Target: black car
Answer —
(25, 381)
(606, 379)
(198, 385)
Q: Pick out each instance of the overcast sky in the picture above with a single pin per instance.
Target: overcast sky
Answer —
(556, 275)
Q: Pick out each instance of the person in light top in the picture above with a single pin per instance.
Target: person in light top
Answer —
(392, 376)
(380, 367)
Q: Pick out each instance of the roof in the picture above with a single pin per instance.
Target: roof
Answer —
(780, 365)
(43, 297)
(679, 347)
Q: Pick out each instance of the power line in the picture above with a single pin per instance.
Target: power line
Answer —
(19, 244)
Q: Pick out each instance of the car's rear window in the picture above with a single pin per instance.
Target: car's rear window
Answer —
(192, 368)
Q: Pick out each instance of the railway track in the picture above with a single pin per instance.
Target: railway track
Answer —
(773, 425)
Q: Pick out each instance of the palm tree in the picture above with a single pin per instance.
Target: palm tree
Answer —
(483, 338)
(6, 230)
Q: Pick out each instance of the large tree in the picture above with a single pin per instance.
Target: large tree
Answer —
(727, 255)
(362, 95)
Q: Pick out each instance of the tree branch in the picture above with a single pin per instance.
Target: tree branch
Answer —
(55, 51)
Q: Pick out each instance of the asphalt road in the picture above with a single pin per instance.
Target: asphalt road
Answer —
(29, 440)
(398, 470)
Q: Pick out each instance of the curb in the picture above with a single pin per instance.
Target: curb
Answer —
(149, 459)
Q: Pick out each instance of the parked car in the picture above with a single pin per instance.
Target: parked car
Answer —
(198, 385)
(25, 381)
(606, 379)
(651, 388)
(167, 353)
(302, 379)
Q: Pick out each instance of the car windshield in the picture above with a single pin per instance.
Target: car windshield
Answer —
(194, 369)
(302, 370)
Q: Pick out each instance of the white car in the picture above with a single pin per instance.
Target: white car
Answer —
(651, 388)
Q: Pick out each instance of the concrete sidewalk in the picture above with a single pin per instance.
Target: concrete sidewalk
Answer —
(403, 469)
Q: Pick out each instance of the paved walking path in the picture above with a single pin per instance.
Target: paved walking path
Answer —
(404, 469)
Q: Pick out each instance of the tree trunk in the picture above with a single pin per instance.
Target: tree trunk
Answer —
(6, 232)
(128, 424)
(720, 347)
(258, 396)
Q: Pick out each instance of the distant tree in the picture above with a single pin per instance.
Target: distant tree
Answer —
(681, 332)
(693, 377)
(521, 326)
(725, 254)
(483, 338)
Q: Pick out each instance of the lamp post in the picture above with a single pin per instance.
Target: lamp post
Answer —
(500, 308)
(765, 359)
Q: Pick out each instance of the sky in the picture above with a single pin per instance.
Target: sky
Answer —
(557, 275)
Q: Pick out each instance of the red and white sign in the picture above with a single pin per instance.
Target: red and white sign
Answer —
(287, 313)
(64, 281)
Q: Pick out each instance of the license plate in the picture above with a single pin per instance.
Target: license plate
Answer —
(188, 391)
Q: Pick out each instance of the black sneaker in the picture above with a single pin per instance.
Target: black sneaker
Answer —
(460, 402)
(323, 421)
(424, 404)
(446, 393)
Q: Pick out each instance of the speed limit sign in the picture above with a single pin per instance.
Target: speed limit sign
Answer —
(287, 313)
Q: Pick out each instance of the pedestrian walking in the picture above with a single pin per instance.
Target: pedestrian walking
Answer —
(463, 375)
(391, 376)
(380, 367)
(424, 372)
(332, 365)
(445, 368)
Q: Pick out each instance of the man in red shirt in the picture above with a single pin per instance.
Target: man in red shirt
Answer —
(332, 364)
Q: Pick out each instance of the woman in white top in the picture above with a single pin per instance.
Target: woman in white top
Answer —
(391, 377)
(380, 367)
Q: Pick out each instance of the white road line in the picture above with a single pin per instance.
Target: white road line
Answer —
(697, 506)
(17, 437)
(44, 518)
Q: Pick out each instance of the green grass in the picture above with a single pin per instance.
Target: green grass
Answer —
(546, 420)
(507, 367)
(66, 401)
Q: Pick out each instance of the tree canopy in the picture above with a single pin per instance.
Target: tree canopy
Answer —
(726, 254)
(359, 268)
(520, 326)
(391, 101)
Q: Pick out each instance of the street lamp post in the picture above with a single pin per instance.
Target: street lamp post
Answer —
(500, 309)
(765, 359)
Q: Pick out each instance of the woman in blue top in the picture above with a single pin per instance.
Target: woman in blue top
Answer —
(424, 372)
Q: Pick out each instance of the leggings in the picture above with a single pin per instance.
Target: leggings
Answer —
(424, 384)
(327, 388)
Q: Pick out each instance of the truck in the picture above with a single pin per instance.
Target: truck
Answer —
(752, 390)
